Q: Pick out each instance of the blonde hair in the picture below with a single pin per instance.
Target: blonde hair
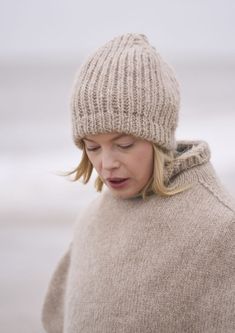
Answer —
(156, 183)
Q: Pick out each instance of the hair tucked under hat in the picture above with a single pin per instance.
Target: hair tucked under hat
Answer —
(126, 86)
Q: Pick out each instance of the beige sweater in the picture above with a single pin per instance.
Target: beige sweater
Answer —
(160, 265)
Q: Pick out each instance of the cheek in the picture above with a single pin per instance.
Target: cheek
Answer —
(142, 162)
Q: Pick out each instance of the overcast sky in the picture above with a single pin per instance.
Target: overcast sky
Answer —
(61, 30)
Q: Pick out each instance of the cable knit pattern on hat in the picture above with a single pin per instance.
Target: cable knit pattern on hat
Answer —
(126, 86)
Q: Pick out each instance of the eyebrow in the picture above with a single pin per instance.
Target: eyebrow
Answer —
(115, 138)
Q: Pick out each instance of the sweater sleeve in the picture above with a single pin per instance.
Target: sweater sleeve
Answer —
(218, 303)
(53, 307)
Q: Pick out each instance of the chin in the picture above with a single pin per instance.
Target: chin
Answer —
(125, 195)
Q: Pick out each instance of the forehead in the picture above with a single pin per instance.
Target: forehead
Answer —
(106, 136)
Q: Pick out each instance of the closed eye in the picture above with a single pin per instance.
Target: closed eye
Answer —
(92, 149)
(120, 146)
(126, 146)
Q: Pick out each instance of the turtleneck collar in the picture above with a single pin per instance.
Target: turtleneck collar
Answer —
(188, 154)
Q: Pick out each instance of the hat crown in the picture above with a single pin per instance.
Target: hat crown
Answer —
(126, 86)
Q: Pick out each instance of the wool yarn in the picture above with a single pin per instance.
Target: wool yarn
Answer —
(126, 87)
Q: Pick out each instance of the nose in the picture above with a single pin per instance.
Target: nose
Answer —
(109, 160)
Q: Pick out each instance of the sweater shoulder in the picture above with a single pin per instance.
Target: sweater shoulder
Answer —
(90, 211)
(215, 187)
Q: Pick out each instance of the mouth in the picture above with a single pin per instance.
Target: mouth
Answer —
(116, 179)
(117, 182)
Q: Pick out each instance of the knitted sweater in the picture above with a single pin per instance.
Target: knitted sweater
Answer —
(166, 264)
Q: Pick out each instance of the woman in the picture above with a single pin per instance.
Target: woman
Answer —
(155, 251)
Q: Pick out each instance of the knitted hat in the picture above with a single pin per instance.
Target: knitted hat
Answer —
(126, 87)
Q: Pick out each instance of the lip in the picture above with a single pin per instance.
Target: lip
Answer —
(111, 182)
(115, 178)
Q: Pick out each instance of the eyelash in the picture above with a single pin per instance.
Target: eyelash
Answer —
(122, 147)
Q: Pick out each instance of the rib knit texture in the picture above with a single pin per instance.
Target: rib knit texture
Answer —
(163, 265)
(126, 86)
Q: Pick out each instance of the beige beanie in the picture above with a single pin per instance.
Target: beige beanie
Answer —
(126, 87)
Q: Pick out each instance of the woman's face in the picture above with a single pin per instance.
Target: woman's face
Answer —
(123, 162)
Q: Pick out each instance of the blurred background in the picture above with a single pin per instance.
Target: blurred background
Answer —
(42, 45)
